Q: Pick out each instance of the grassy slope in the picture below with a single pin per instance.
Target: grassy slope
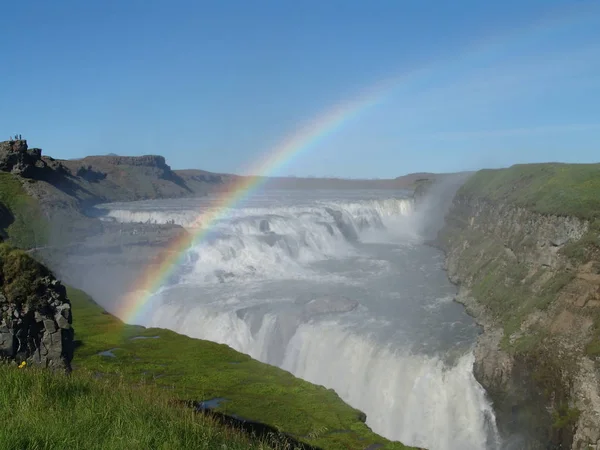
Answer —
(201, 370)
(44, 410)
(29, 228)
(550, 188)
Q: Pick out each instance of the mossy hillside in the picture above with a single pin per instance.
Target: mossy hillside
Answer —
(510, 290)
(21, 277)
(27, 227)
(40, 409)
(200, 370)
(549, 188)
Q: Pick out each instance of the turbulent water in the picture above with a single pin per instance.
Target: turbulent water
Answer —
(339, 289)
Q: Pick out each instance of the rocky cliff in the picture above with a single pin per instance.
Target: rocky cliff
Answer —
(35, 313)
(59, 193)
(523, 244)
(15, 157)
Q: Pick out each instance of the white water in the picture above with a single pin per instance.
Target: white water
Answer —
(340, 292)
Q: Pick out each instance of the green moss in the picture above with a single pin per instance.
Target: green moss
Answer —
(565, 417)
(27, 227)
(200, 370)
(507, 288)
(21, 276)
(593, 347)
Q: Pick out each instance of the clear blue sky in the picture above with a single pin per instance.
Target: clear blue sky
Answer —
(215, 84)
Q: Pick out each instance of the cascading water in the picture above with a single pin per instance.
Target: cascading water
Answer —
(340, 292)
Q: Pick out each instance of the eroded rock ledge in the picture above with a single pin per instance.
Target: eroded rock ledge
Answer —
(533, 283)
(35, 313)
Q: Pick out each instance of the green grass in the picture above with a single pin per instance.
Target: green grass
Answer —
(29, 227)
(550, 188)
(195, 369)
(44, 410)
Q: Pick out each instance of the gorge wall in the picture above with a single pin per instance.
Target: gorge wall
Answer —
(523, 244)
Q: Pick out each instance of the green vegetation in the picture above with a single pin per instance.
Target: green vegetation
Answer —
(550, 188)
(511, 290)
(44, 410)
(593, 347)
(506, 288)
(27, 227)
(565, 417)
(21, 276)
(586, 248)
(200, 370)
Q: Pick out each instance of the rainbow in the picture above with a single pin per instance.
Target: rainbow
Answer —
(132, 306)
(306, 137)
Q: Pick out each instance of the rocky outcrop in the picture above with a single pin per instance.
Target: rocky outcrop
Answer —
(145, 160)
(533, 284)
(155, 162)
(35, 314)
(17, 158)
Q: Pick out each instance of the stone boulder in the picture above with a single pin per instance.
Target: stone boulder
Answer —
(17, 158)
(35, 314)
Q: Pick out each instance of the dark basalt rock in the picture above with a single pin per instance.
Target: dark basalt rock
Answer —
(37, 331)
(15, 157)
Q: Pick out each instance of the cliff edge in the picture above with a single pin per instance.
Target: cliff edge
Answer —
(523, 244)
(38, 189)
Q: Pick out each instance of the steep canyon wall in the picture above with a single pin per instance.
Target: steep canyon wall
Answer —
(529, 272)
